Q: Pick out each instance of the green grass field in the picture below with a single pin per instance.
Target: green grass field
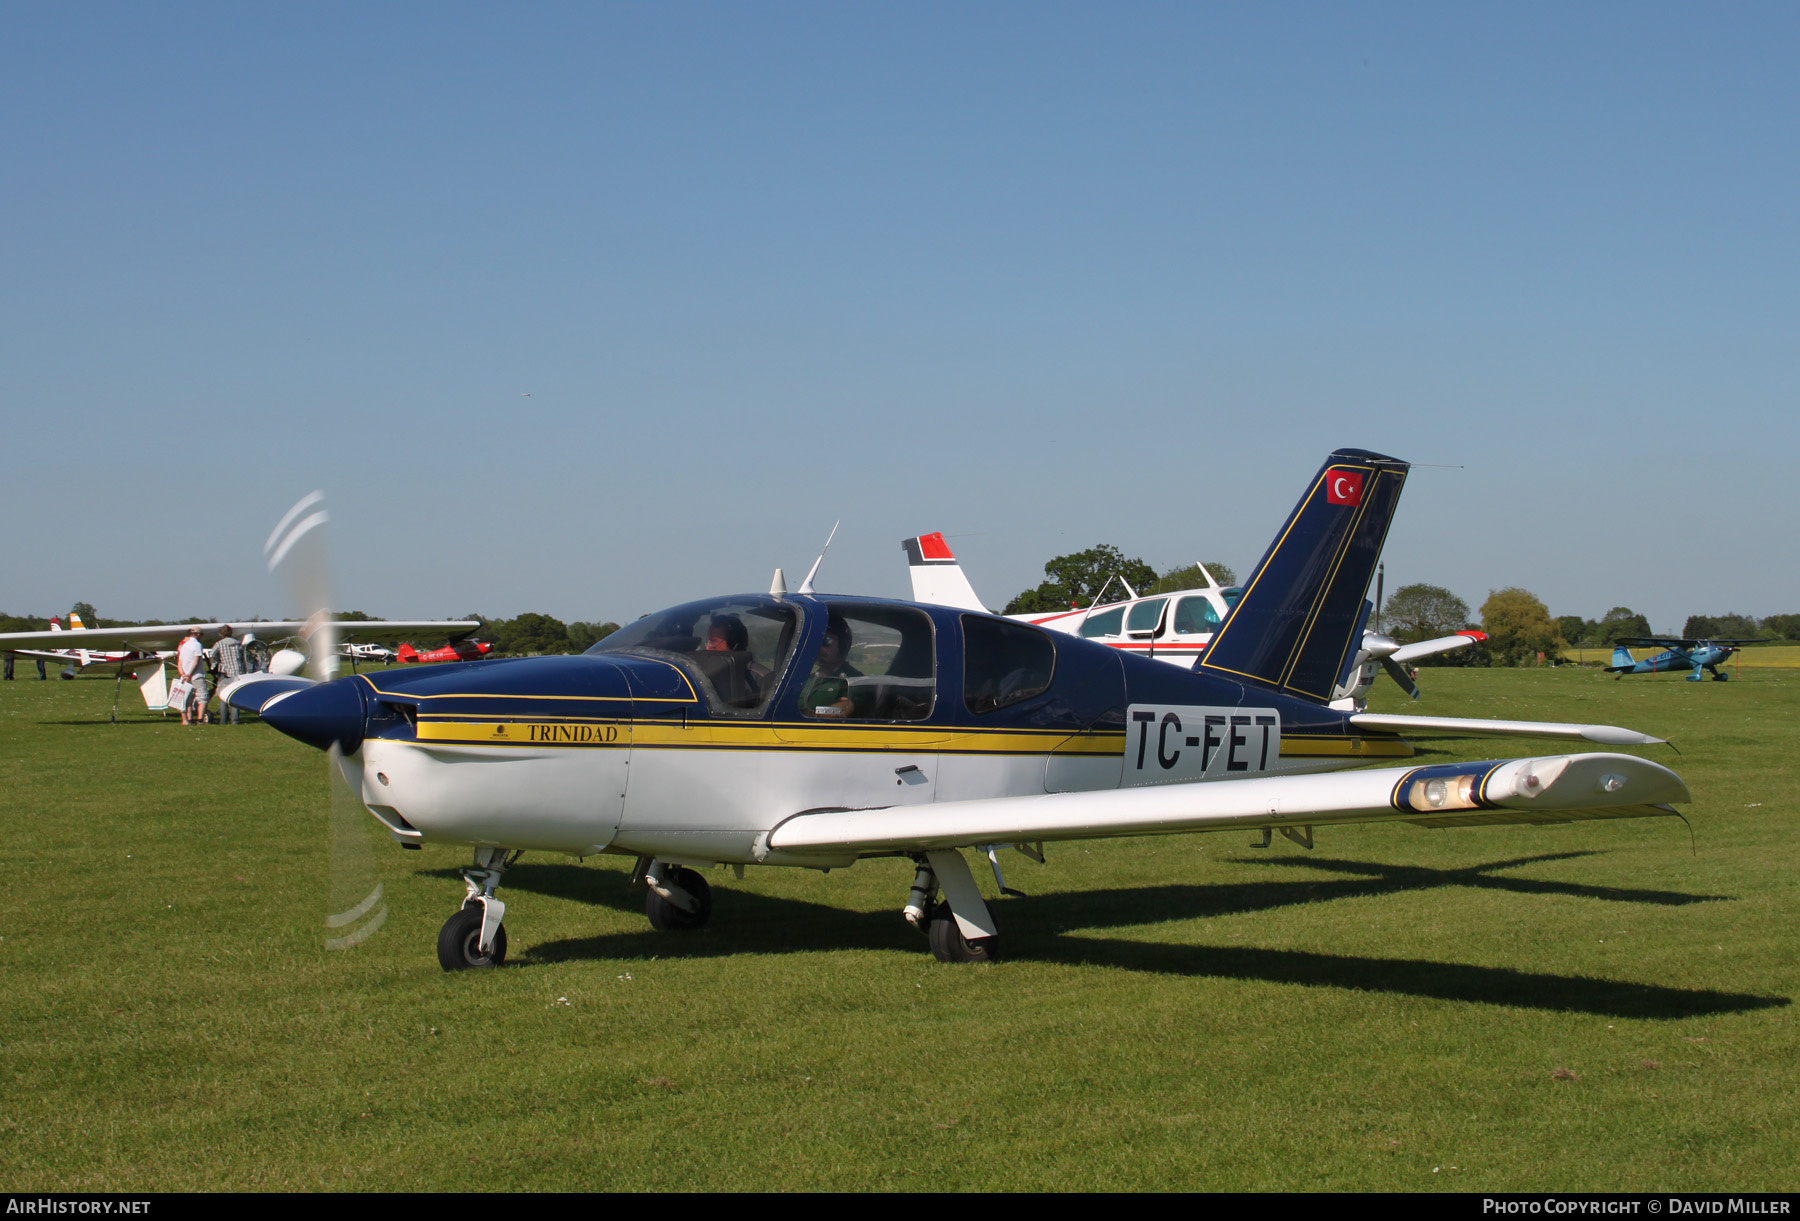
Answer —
(1601, 1006)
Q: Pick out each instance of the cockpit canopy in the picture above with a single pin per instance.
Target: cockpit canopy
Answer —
(738, 646)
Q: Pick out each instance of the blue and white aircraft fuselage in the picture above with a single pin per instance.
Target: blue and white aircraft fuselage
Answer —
(815, 730)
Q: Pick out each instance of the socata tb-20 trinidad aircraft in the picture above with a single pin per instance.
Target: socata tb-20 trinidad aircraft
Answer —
(1679, 653)
(1174, 627)
(815, 730)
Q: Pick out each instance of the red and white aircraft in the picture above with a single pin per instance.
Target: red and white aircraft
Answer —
(457, 650)
(1174, 627)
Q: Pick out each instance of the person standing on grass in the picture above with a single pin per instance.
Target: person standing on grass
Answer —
(228, 663)
(190, 668)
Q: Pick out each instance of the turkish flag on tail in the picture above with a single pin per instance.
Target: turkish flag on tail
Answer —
(1343, 487)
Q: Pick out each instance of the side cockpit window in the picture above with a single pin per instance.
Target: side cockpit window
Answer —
(735, 647)
(875, 663)
(1106, 623)
(1194, 615)
(1004, 663)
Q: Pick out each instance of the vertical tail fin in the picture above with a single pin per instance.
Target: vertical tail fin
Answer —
(75, 621)
(1622, 657)
(1298, 625)
(55, 624)
(936, 576)
(406, 652)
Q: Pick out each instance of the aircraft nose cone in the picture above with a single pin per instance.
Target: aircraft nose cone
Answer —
(320, 715)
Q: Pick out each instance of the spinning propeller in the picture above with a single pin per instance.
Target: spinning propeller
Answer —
(356, 903)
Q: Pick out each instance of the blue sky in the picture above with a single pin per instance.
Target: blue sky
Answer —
(1039, 276)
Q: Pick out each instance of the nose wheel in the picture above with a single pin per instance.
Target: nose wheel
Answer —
(459, 942)
(474, 938)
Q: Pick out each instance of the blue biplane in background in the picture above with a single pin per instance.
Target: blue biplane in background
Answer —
(1679, 653)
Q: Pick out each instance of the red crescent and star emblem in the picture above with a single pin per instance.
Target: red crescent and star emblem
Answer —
(1343, 487)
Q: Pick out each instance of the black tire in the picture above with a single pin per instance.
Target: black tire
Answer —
(668, 918)
(948, 943)
(459, 942)
(1719, 678)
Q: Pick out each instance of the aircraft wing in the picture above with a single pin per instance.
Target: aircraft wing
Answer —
(1563, 788)
(1430, 648)
(1478, 727)
(1659, 642)
(167, 635)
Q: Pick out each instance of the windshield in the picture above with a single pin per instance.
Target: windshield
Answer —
(735, 646)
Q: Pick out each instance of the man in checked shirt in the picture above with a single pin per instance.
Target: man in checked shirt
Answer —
(227, 663)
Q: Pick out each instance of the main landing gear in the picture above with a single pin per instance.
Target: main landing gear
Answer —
(474, 936)
(679, 897)
(960, 929)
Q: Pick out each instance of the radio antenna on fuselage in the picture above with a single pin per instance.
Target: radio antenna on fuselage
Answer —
(806, 586)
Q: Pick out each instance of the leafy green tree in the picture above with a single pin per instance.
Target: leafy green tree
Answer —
(1576, 630)
(1077, 578)
(1620, 623)
(1190, 578)
(1782, 627)
(584, 636)
(1739, 627)
(1519, 628)
(531, 633)
(23, 623)
(1423, 612)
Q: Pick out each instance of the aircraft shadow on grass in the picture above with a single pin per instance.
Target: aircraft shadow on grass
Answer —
(1045, 929)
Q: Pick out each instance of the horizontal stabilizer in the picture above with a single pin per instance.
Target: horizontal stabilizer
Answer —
(1474, 727)
(1563, 788)
(1431, 648)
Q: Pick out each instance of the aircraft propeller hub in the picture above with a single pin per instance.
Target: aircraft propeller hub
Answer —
(323, 715)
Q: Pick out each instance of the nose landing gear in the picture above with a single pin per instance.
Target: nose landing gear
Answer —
(474, 938)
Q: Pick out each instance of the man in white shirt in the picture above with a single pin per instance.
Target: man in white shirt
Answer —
(190, 666)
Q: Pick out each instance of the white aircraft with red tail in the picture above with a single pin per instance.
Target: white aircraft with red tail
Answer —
(1173, 627)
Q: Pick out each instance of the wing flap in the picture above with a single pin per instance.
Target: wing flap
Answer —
(1473, 727)
(1557, 788)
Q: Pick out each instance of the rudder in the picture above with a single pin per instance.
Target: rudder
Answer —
(1298, 624)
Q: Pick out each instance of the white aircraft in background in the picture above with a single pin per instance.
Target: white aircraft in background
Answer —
(813, 730)
(374, 653)
(1174, 627)
(75, 660)
(148, 647)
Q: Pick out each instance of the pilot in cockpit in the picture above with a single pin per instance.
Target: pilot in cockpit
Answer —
(727, 634)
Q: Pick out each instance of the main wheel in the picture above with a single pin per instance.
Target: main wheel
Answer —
(665, 916)
(948, 943)
(1719, 678)
(459, 942)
